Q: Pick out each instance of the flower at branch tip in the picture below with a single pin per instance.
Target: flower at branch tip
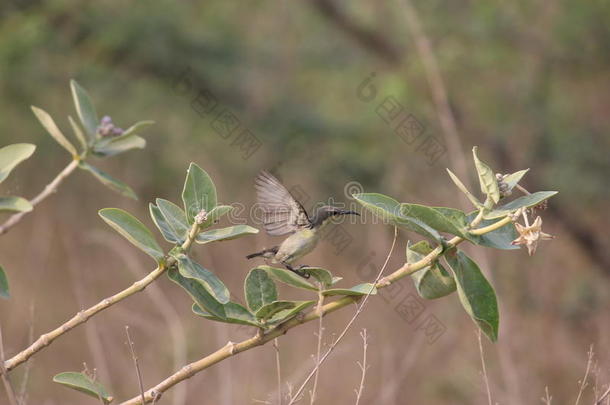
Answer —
(108, 129)
(529, 235)
(201, 217)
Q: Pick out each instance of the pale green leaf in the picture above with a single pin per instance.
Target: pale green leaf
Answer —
(4, 290)
(188, 268)
(171, 221)
(85, 110)
(487, 178)
(16, 204)
(268, 310)
(198, 293)
(133, 230)
(81, 382)
(528, 201)
(229, 233)
(286, 314)
(476, 294)
(259, 289)
(117, 145)
(199, 192)
(464, 190)
(12, 155)
(108, 180)
(78, 133)
(432, 281)
(288, 277)
(360, 289)
(48, 123)
(235, 313)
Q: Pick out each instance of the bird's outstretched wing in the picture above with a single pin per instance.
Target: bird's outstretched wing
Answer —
(282, 213)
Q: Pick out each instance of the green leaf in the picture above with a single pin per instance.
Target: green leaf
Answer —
(433, 281)
(81, 382)
(216, 213)
(231, 232)
(487, 178)
(17, 204)
(336, 280)
(288, 277)
(259, 289)
(135, 128)
(79, 134)
(360, 289)
(48, 123)
(501, 238)
(133, 230)
(476, 294)
(389, 210)
(464, 190)
(118, 145)
(441, 219)
(4, 290)
(513, 179)
(108, 180)
(171, 221)
(235, 313)
(194, 271)
(267, 311)
(286, 314)
(199, 192)
(85, 110)
(12, 155)
(323, 276)
(529, 200)
(198, 293)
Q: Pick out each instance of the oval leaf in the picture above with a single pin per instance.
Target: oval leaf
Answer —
(267, 311)
(528, 201)
(433, 281)
(259, 289)
(118, 145)
(235, 313)
(4, 290)
(323, 276)
(12, 155)
(198, 293)
(85, 110)
(133, 230)
(487, 178)
(78, 133)
(47, 122)
(476, 294)
(389, 210)
(513, 179)
(360, 289)
(135, 128)
(175, 228)
(81, 382)
(286, 314)
(231, 232)
(193, 270)
(17, 204)
(288, 277)
(108, 180)
(216, 213)
(199, 192)
(499, 239)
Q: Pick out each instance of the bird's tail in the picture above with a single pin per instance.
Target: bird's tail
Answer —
(266, 253)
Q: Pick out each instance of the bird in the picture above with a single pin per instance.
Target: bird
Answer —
(283, 214)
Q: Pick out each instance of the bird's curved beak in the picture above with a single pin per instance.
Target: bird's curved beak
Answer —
(347, 212)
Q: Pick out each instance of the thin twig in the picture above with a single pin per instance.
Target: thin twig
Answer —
(319, 348)
(132, 349)
(28, 365)
(350, 323)
(604, 395)
(485, 378)
(363, 366)
(232, 349)
(83, 316)
(583, 382)
(10, 393)
(276, 346)
(547, 398)
(47, 191)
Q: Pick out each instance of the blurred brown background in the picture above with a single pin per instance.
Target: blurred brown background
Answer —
(525, 81)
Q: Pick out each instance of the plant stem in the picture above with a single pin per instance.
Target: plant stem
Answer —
(83, 316)
(47, 191)
(232, 349)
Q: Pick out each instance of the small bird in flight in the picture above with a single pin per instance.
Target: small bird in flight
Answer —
(283, 214)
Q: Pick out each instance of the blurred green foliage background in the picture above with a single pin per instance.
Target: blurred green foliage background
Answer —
(526, 81)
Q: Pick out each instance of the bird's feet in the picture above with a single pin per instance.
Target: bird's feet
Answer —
(298, 270)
